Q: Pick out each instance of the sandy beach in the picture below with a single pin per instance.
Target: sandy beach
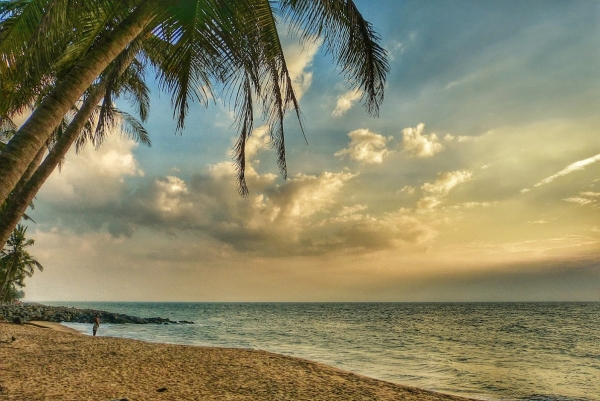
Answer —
(55, 363)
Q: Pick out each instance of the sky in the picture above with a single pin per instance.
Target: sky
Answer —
(479, 180)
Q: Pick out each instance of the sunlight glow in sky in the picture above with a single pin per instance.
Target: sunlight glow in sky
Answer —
(480, 180)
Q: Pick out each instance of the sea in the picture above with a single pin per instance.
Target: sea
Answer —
(487, 351)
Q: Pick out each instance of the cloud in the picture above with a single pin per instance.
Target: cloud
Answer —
(303, 195)
(365, 232)
(345, 102)
(472, 205)
(578, 165)
(273, 220)
(585, 198)
(580, 200)
(259, 140)
(349, 211)
(428, 202)
(447, 181)
(304, 215)
(460, 138)
(418, 145)
(438, 190)
(396, 48)
(365, 147)
(299, 59)
(171, 193)
(408, 189)
(93, 177)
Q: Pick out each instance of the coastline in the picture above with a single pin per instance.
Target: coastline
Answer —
(59, 364)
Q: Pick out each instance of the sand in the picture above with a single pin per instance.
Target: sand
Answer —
(54, 363)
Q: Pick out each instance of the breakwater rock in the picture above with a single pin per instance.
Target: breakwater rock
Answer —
(31, 311)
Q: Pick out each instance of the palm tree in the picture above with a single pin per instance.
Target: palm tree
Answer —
(231, 45)
(16, 263)
(124, 76)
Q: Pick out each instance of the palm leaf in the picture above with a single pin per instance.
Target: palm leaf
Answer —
(131, 128)
(351, 40)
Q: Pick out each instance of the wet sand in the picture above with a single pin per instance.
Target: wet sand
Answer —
(52, 362)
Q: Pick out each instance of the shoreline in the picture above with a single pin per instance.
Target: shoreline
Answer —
(54, 326)
(63, 364)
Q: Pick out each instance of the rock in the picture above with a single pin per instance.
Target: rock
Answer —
(27, 312)
(161, 390)
(17, 320)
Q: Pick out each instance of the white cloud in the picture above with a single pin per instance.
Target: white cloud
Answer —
(345, 102)
(460, 138)
(408, 189)
(438, 189)
(396, 48)
(351, 210)
(259, 140)
(365, 147)
(578, 165)
(171, 194)
(428, 202)
(304, 215)
(580, 201)
(299, 59)
(447, 181)
(419, 145)
(303, 195)
(471, 205)
(93, 177)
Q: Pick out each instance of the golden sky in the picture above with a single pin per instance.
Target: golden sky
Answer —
(479, 181)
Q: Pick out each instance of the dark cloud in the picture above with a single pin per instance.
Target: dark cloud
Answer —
(556, 280)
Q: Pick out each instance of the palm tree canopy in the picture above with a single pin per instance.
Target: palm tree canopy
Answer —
(16, 263)
(196, 46)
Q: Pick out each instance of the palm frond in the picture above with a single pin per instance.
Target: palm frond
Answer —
(8, 128)
(113, 83)
(351, 40)
(192, 53)
(131, 128)
(135, 89)
(245, 121)
(89, 29)
(20, 22)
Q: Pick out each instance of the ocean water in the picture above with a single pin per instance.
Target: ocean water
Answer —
(489, 351)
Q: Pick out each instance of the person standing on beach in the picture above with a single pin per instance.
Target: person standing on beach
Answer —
(96, 324)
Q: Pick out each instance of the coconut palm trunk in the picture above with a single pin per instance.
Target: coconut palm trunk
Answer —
(6, 284)
(33, 166)
(31, 137)
(18, 202)
(31, 183)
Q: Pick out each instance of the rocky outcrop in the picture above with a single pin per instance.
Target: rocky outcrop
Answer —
(31, 311)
